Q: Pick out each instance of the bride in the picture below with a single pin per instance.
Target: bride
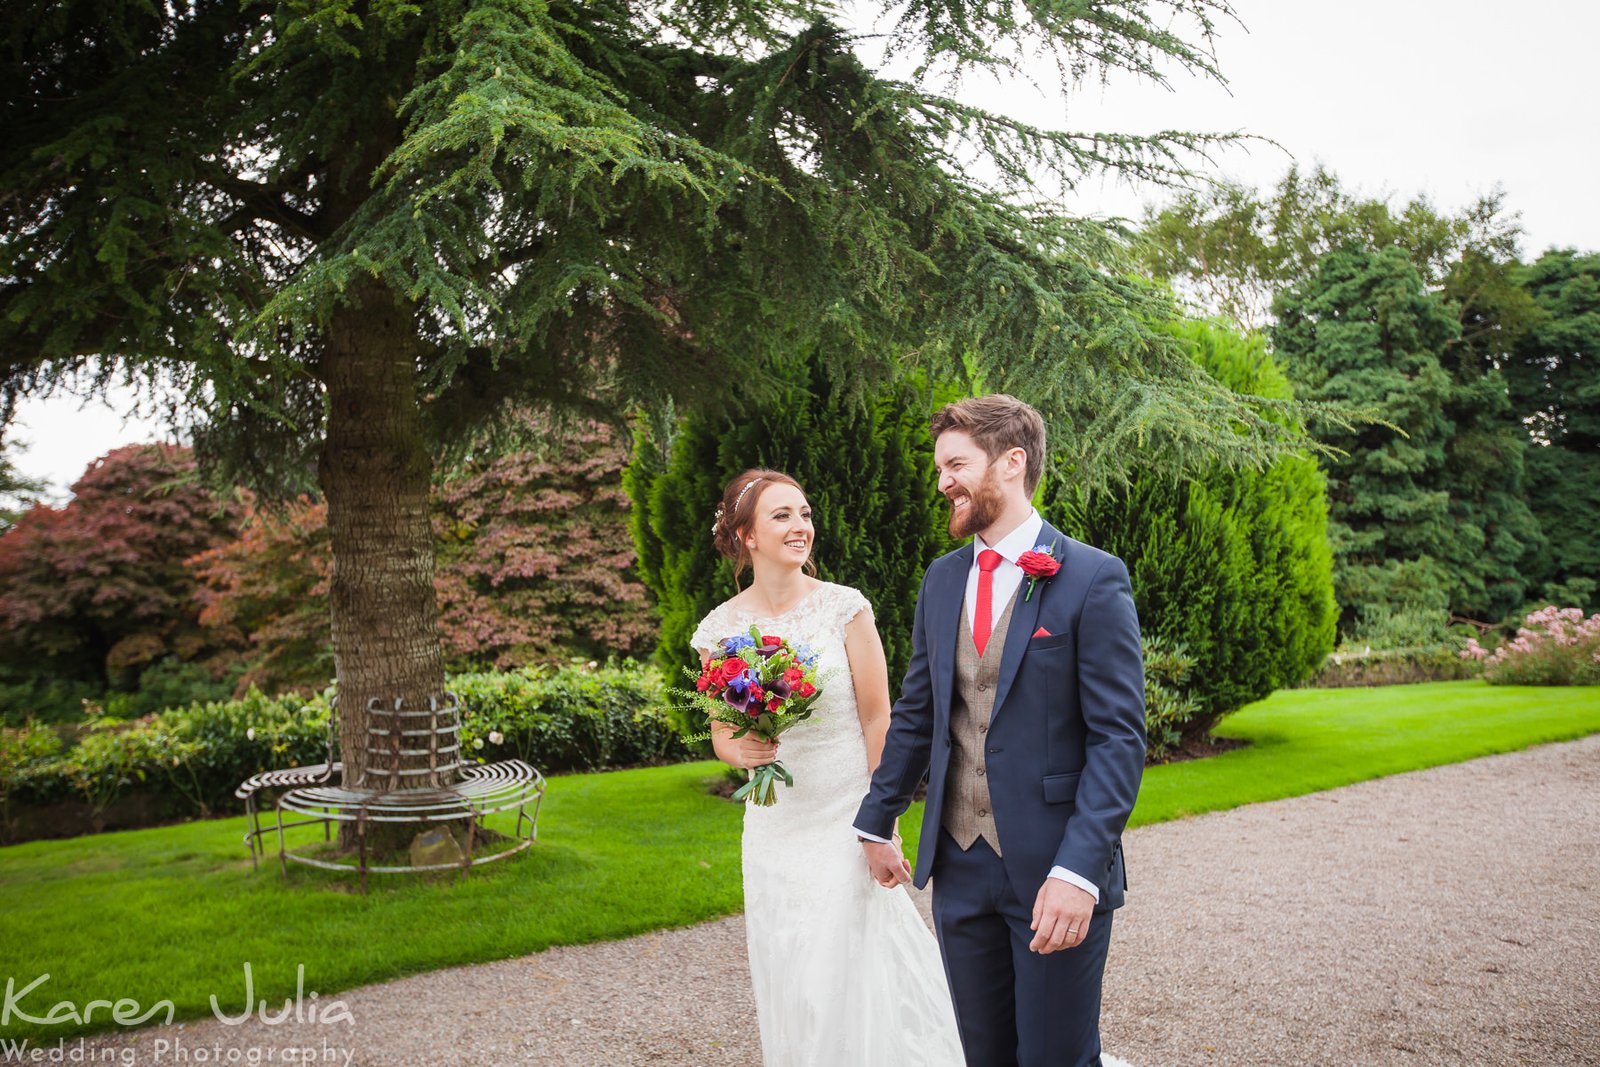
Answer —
(844, 972)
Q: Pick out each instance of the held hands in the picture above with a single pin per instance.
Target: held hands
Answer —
(889, 867)
(753, 752)
(1061, 914)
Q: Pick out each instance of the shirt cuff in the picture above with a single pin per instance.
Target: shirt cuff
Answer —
(879, 840)
(1073, 879)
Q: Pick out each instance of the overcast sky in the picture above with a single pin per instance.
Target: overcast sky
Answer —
(1398, 97)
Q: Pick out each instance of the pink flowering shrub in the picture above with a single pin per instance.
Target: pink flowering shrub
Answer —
(1555, 646)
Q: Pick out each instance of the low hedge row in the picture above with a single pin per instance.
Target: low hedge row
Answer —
(187, 762)
(573, 719)
(1400, 666)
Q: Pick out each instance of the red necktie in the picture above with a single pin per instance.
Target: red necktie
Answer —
(988, 560)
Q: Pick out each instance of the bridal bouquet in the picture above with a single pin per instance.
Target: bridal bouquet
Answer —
(762, 685)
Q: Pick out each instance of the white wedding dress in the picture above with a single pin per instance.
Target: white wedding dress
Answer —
(844, 971)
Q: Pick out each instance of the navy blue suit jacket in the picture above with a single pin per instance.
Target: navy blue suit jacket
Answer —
(1066, 741)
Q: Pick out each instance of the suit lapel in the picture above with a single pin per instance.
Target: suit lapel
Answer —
(945, 631)
(1024, 619)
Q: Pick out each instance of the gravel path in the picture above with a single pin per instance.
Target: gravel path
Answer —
(1449, 916)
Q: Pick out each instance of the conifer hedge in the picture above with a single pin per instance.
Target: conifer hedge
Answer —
(1233, 566)
(867, 467)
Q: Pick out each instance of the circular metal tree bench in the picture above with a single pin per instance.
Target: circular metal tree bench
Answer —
(408, 752)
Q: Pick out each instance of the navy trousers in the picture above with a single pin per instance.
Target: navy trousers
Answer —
(1013, 1007)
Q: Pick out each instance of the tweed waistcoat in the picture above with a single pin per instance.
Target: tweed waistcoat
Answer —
(968, 815)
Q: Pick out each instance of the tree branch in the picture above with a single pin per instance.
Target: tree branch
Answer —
(262, 201)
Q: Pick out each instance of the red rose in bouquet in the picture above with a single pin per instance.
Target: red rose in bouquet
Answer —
(731, 668)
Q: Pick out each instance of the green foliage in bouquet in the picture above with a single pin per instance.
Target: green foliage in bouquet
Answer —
(760, 684)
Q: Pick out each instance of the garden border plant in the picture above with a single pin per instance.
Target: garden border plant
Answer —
(1554, 646)
(187, 762)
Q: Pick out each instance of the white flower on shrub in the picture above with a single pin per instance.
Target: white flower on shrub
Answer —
(477, 742)
(593, 665)
(495, 737)
(250, 734)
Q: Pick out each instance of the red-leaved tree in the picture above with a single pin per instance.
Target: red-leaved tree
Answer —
(535, 560)
(266, 595)
(96, 590)
(534, 565)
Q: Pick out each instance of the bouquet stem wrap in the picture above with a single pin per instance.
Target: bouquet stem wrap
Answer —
(762, 788)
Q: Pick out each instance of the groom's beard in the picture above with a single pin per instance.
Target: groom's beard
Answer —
(984, 508)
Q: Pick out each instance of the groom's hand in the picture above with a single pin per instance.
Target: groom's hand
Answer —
(889, 867)
(1061, 914)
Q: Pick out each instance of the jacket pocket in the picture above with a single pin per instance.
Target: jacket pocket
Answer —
(1053, 641)
(1060, 788)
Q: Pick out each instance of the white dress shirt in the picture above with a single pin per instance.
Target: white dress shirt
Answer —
(1007, 578)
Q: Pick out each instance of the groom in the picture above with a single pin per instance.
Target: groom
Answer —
(1024, 705)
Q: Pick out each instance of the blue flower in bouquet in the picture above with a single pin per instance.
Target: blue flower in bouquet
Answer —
(806, 656)
(733, 645)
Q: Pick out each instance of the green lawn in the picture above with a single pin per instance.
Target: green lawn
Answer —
(1307, 740)
(173, 913)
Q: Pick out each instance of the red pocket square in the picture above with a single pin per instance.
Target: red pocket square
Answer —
(1041, 632)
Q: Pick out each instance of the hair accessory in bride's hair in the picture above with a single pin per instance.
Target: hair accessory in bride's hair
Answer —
(716, 521)
(740, 498)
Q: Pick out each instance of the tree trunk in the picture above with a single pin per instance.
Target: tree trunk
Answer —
(375, 472)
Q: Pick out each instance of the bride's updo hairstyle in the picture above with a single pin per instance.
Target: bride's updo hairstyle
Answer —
(736, 515)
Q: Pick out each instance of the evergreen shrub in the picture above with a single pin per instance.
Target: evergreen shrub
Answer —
(1368, 667)
(1234, 566)
(1169, 704)
(575, 718)
(867, 468)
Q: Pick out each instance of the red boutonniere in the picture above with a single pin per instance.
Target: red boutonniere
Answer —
(1040, 563)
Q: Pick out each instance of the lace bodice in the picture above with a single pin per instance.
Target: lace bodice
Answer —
(822, 613)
